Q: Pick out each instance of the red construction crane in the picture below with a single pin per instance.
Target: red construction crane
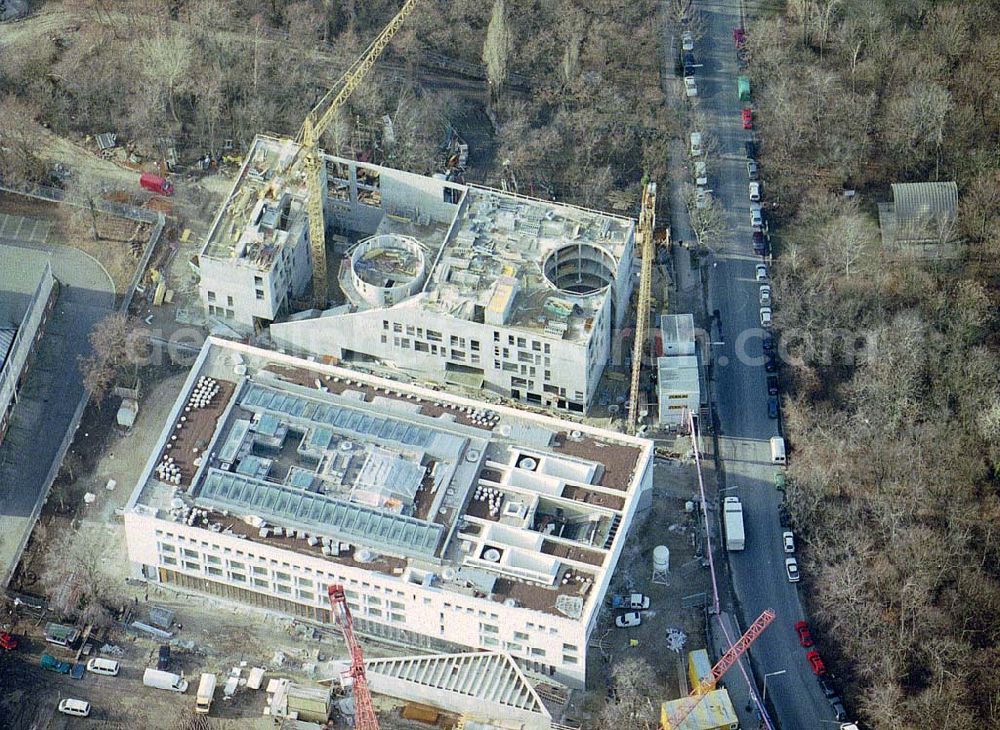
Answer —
(707, 684)
(364, 710)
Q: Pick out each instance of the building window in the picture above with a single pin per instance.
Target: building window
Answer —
(569, 647)
(190, 553)
(488, 641)
(434, 336)
(191, 566)
(213, 560)
(522, 342)
(278, 575)
(211, 296)
(376, 612)
(307, 596)
(520, 636)
(474, 346)
(489, 629)
(285, 590)
(397, 617)
(411, 330)
(535, 651)
(397, 327)
(260, 294)
(258, 281)
(259, 570)
(217, 572)
(229, 301)
(569, 659)
(385, 324)
(420, 346)
(238, 577)
(167, 560)
(548, 349)
(536, 345)
(167, 548)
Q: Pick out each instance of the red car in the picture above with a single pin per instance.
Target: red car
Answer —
(818, 667)
(8, 642)
(747, 116)
(802, 629)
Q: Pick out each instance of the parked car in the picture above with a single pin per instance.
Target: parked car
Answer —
(163, 658)
(750, 147)
(700, 173)
(754, 192)
(779, 481)
(8, 642)
(756, 217)
(746, 116)
(628, 620)
(687, 40)
(702, 198)
(792, 570)
(765, 295)
(78, 708)
(772, 384)
(739, 36)
(802, 629)
(695, 144)
(52, 664)
(826, 687)
(103, 666)
(690, 87)
(759, 243)
(753, 172)
(767, 343)
(765, 317)
(838, 710)
(771, 364)
(816, 662)
(788, 541)
(760, 271)
(772, 407)
(689, 64)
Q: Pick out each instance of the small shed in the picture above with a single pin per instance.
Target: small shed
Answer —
(127, 413)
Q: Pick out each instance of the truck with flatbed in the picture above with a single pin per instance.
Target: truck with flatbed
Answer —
(630, 601)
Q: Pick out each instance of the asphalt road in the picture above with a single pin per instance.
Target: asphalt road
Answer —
(52, 390)
(758, 572)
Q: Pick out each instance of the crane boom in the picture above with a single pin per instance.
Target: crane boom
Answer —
(707, 684)
(644, 234)
(364, 709)
(315, 124)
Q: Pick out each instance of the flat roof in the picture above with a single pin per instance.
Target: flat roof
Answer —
(21, 271)
(394, 478)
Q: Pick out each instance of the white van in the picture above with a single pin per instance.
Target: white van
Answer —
(695, 144)
(777, 450)
(103, 666)
(74, 707)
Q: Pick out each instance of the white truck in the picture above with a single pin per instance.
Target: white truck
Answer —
(206, 693)
(733, 514)
(164, 680)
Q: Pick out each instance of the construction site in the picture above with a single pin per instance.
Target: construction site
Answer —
(407, 445)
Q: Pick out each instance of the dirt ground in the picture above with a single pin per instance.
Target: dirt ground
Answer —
(667, 523)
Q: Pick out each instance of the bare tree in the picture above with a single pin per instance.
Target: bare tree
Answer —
(119, 347)
(76, 574)
(497, 48)
(636, 697)
(20, 141)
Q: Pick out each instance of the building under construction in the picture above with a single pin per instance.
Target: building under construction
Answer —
(457, 284)
(451, 526)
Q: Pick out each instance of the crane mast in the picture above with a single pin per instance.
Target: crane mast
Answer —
(316, 123)
(644, 243)
(364, 709)
(707, 684)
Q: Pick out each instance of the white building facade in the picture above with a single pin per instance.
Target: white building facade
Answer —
(526, 573)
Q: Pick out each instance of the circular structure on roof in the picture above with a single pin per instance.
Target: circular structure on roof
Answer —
(386, 269)
(579, 269)
(661, 557)
(491, 555)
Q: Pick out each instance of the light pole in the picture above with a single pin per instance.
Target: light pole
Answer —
(763, 699)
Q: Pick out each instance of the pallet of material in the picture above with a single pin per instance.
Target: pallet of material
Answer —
(422, 713)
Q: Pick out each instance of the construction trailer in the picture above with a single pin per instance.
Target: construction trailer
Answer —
(714, 712)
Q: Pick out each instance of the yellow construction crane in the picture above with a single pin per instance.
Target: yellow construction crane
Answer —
(646, 248)
(316, 123)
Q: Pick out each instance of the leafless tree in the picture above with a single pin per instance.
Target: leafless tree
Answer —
(77, 576)
(20, 141)
(497, 47)
(635, 700)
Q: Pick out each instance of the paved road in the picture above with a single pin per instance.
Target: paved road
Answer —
(52, 391)
(758, 572)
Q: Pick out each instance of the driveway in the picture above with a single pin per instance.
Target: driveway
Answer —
(758, 572)
(51, 394)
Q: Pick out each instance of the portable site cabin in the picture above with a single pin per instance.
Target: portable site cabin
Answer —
(743, 85)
